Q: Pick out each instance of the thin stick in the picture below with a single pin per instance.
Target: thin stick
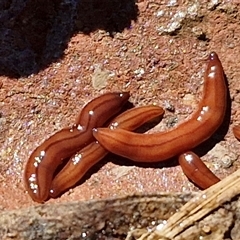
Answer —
(198, 207)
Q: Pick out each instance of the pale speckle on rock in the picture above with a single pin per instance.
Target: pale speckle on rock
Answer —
(100, 77)
(121, 171)
(225, 159)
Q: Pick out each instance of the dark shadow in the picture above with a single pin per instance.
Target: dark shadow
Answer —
(34, 33)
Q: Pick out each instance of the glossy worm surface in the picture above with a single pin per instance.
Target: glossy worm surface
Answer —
(236, 131)
(77, 166)
(161, 146)
(49, 155)
(195, 169)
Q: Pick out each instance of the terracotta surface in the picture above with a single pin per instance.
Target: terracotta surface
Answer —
(57, 56)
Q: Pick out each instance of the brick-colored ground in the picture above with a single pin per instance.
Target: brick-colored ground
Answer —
(57, 56)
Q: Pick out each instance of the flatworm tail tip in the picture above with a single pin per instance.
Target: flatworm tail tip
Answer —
(124, 95)
(213, 56)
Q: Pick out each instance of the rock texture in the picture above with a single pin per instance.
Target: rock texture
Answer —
(57, 55)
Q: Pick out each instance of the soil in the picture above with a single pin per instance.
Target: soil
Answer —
(58, 55)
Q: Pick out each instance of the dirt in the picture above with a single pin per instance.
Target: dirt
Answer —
(58, 55)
